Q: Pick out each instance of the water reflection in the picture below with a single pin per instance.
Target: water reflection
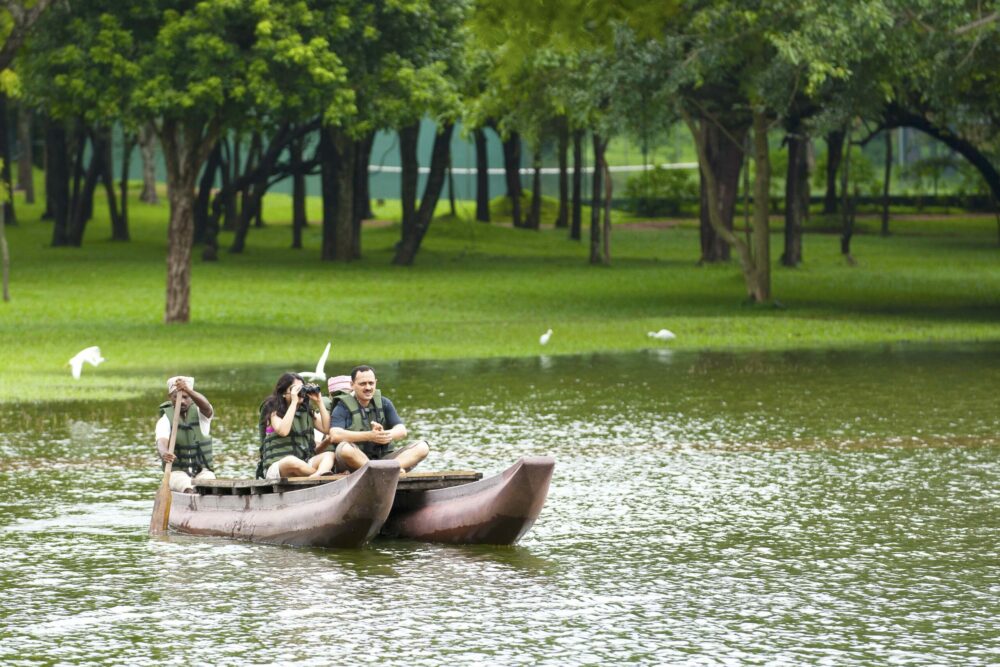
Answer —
(726, 508)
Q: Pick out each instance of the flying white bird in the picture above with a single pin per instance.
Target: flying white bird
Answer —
(662, 334)
(544, 338)
(92, 355)
(320, 373)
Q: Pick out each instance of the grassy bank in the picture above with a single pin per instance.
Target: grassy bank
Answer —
(477, 291)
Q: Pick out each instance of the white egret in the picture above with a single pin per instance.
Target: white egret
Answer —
(91, 355)
(662, 334)
(320, 373)
(544, 338)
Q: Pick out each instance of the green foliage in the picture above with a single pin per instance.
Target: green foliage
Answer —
(660, 191)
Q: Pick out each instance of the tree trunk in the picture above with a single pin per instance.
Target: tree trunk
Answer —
(57, 180)
(743, 249)
(407, 250)
(327, 153)
(342, 162)
(512, 171)
(410, 175)
(5, 171)
(724, 148)
(796, 192)
(535, 213)
(258, 169)
(562, 217)
(760, 288)
(482, 176)
(205, 231)
(102, 143)
(847, 208)
(147, 150)
(128, 143)
(575, 230)
(83, 196)
(886, 180)
(230, 176)
(595, 202)
(185, 149)
(606, 238)
(25, 158)
(834, 154)
(362, 193)
(299, 220)
(4, 257)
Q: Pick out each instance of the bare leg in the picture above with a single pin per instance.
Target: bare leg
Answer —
(323, 463)
(409, 459)
(350, 457)
(291, 466)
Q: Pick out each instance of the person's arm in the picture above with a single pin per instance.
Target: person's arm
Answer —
(204, 407)
(321, 418)
(397, 429)
(163, 439)
(283, 425)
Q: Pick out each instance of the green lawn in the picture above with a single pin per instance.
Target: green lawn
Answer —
(477, 290)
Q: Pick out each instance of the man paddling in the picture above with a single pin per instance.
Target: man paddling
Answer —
(364, 424)
(192, 455)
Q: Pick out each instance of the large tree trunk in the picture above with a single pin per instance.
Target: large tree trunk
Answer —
(299, 221)
(796, 192)
(147, 150)
(362, 194)
(185, 149)
(575, 229)
(562, 217)
(606, 237)
(834, 154)
(407, 250)
(409, 178)
(724, 150)
(482, 177)
(4, 258)
(535, 212)
(83, 195)
(847, 207)
(512, 171)
(744, 250)
(886, 180)
(595, 202)
(341, 162)
(57, 180)
(25, 158)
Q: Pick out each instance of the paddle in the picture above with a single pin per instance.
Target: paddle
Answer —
(161, 506)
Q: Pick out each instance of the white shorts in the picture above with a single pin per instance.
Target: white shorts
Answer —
(180, 481)
(274, 470)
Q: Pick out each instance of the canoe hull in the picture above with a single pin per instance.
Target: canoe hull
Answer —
(496, 510)
(346, 513)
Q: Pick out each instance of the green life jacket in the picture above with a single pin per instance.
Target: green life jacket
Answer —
(273, 447)
(362, 418)
(192, 448)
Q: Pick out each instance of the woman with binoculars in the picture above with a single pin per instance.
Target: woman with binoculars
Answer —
(287, 420)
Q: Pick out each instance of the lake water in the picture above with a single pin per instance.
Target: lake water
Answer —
(832, 508)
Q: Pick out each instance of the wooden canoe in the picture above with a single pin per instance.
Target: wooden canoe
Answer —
(346, 512)
(495, 510)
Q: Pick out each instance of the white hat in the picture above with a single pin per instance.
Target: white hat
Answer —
(172, 382)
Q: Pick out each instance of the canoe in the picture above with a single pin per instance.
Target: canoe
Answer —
(495, 510)
(347, 512)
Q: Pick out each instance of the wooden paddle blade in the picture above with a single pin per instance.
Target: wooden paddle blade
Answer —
(161, 511)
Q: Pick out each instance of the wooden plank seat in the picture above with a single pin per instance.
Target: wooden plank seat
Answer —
(412, 481)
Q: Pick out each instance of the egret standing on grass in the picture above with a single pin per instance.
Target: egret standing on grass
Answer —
(662, 334)
(544, 338)
(319, 375)
(91, 355)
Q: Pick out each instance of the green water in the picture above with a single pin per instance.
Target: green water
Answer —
(803, 508)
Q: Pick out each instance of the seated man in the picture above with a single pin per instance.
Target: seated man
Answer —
(365, 424)
(192, 455)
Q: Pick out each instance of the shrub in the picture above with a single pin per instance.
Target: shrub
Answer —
(660, 191)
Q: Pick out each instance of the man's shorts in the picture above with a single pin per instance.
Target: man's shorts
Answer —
(376, 453)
